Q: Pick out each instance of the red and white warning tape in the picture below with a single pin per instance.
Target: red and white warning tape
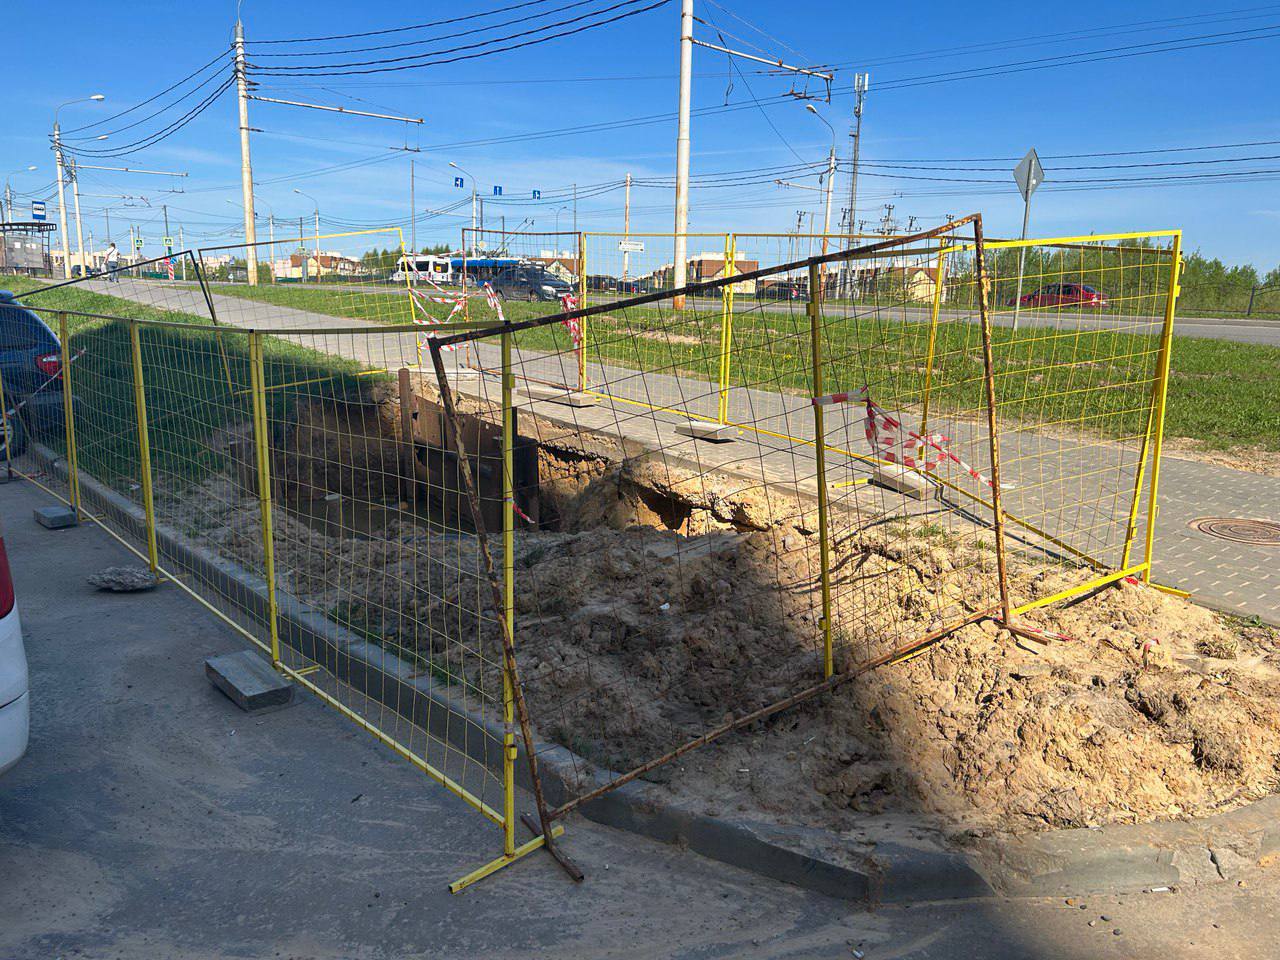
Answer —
(570, 302)
(456, 302)
(891, 441)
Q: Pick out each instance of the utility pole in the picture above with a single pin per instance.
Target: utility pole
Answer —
(413, 213)
(8, 202)
(682, 148)
(182, 242)
(168, 246)
(626, 229)
(246, 168)
(860, 82)
(575, 208)
(75, 193)
(62, 200)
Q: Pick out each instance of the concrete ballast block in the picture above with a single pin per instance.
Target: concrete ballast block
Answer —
(563, 395)
(702, 430)
(249, 681)
(907, 482)
(56, 518)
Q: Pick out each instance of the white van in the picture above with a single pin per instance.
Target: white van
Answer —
(15, 709)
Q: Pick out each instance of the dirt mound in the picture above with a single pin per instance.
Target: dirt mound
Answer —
(628, 652)
(669, 602)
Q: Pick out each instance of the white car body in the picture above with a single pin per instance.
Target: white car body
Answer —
(15, 699)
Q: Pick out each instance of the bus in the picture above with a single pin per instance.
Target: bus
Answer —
(448, 270)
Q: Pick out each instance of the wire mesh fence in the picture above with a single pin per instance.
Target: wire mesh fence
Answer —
(1080, 331)
(608, 521)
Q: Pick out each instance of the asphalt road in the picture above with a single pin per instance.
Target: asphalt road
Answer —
(152, 819)
(1266, 332)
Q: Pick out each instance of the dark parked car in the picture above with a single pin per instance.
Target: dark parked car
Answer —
(530, 283)
(780, 290)
(601, 284)
(1063, 295)
(31, 365)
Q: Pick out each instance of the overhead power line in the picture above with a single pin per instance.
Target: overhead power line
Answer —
(428, 40)
(627, 8)
(160, 135)
(225, 54)
(403, 29)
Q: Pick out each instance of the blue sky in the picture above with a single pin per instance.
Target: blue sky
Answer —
(1221, 94)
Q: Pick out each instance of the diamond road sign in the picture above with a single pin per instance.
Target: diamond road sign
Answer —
(1028, 174)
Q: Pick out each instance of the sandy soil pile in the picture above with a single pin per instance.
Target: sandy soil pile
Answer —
(634, 637)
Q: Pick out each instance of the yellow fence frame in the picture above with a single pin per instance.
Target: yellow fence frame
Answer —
(504, 818)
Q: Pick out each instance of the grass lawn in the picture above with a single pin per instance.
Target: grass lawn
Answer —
(197, 383)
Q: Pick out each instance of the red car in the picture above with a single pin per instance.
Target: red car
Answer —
(1064, 295)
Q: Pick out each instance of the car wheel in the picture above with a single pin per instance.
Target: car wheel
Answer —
(13, 436)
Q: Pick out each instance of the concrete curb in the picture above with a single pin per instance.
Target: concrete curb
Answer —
(861, 866)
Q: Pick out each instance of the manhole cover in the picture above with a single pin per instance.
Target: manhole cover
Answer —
(1259, 533)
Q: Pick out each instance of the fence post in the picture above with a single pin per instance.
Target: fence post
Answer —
(726, 323)
(582, 302)
(939, 273)
(262, 457)
(144, 444)
(1161, 396)
(993, 438)
(68, 418)
(820, 452)
(508, 601)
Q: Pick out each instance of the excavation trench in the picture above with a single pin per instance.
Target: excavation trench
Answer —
(654, 600)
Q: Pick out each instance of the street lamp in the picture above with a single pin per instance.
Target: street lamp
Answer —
(474, 238)
(831, 174)
(317, 207)
(62, 195)
(8, 191)
(558, 209)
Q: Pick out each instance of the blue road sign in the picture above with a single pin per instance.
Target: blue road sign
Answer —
(537, 194)
(457, 181)
(497, 190)
(37, 210)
